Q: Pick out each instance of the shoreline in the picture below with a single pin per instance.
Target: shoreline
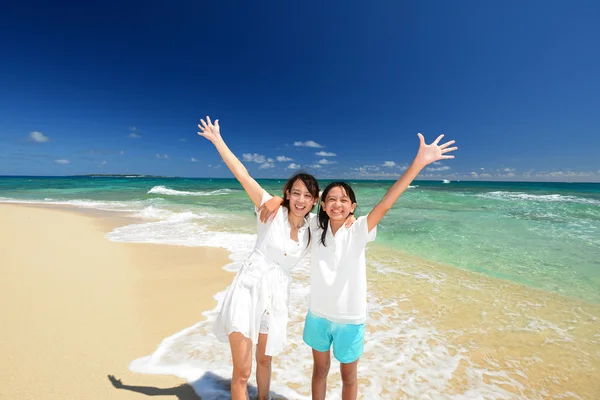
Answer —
(111, 219)
(79, 308)
(538, 338)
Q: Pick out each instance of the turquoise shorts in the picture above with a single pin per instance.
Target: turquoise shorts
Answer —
(348, 339)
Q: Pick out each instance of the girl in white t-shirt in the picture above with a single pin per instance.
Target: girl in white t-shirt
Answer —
(338, 294)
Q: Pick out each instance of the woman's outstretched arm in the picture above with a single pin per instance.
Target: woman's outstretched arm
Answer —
(213, 133)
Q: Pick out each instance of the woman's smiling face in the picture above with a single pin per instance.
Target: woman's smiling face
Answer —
(300, 198)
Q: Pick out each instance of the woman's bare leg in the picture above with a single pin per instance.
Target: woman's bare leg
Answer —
(263, 368)
(241, 353)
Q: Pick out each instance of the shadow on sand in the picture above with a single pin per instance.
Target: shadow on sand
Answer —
(209, 387)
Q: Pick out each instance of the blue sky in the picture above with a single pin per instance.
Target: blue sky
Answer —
(119, 88)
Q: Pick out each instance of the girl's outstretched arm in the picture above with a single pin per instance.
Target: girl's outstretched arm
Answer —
(427, 154)
(213, 133)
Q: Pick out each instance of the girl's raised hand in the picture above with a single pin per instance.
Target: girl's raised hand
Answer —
(208, 130)
(429, 153)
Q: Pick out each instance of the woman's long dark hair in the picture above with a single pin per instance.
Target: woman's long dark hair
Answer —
(323, 217)
(311, 184)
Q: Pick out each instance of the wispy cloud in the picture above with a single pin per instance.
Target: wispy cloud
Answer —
(325, 161)
(38, 137)
(316, 166)
(308, 143)
(62, 161)
(257, 158)
(182, 140)
(389, 164)
(133, 134)
(266, 165)
(122, 152)
(325, 154)
(103, 163)
(293, 166)
(162, 156)
(193, 159)
(284, 159)
(443, 168)
(374, 171)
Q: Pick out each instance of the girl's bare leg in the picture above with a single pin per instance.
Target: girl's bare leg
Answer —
(349, 380)
(321, 364)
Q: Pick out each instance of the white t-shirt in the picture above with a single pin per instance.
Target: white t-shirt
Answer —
(338, 285)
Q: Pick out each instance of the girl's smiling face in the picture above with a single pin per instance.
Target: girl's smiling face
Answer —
(338, 204)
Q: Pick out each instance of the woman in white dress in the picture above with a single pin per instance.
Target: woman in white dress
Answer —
(255, 309)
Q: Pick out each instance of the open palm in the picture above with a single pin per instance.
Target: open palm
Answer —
(429, 153)
(208, 130)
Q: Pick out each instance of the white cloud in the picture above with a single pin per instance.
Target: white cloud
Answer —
(509, 169)
(270, 159)
(62, 161)
(444, 168)
(103, 163)
(374, 171)
(134, 135)
(38, 137)
(284, 159)
(326, 161)
(325, 154)
(162, 157)
(474, 174)
(193, 159)
(257, 158)
(389, 164)
(308, 143)
(485, 175)
(266, 165)
(566, 174)
(316, 166)
(482, 169)
(367, 168)
(293, 166)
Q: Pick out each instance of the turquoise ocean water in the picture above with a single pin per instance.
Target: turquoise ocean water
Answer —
(543, 235)
(435, 330)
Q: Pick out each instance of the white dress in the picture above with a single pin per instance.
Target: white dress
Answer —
(262, 285)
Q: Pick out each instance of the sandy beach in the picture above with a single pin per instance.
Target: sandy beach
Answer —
(76, 307)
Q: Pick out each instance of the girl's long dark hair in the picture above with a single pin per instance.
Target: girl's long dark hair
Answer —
(323, 217)
(311, 184)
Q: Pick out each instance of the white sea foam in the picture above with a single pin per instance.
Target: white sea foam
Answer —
(172, 192)
(502, 195)
(403, 352)
(105, 205)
